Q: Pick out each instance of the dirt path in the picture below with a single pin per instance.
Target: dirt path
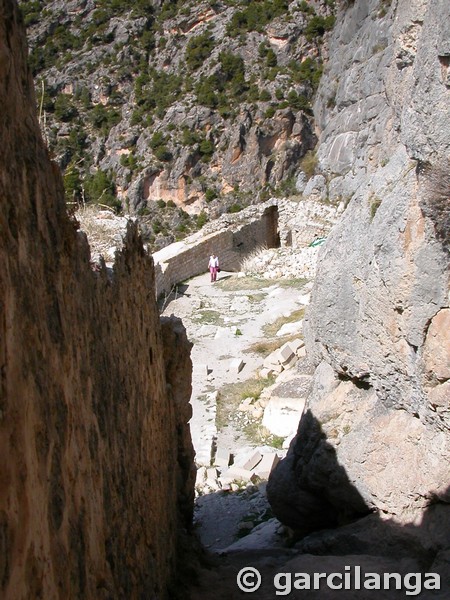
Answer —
(224, 321)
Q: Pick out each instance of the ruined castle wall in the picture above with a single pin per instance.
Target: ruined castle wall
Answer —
(95, 453)
(189, 258)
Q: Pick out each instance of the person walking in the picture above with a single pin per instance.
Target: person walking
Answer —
(213, 267)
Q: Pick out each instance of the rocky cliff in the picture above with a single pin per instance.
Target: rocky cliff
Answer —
(154, 107)
(378, 325)
(95, 451)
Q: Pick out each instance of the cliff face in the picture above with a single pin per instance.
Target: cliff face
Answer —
(378, 325)
(95, 452)
(160, 106)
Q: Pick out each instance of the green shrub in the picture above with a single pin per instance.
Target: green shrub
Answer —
(103, 118)
(271, 58)
(189, 137)
(31, 12)
(163, 153)
(253, 93)
(308, 70)
(72, 184)
(100, 189)
(157, 226)
(206, 149)
(298, 101)
(64, 108)
(157, 139)
(129, 160)
(235, 208)
(202, 219)
(256, 15)
(318, 25)
(306, 8)
(210, 194)
(309, 162)
(198, 50)
(263, 48)
(206, 91)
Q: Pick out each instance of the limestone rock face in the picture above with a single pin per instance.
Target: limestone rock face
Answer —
(95, 454)
(377, 327)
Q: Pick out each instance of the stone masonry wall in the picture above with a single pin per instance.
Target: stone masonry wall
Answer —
(95, 453)
(231, 244)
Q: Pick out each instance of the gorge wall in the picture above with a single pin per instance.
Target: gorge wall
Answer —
(95, 452)
(377, 328)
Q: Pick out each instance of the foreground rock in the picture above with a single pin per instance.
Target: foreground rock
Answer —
(375, 435)
(96, 460)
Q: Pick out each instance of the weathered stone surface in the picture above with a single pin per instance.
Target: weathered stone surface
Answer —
(378, 440)
(282, 414)
(290, 328)
(95, 455)
(436, 353)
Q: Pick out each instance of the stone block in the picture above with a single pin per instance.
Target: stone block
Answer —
(285, 353)
(272, 360)
(222, 458)
(236, 365)
(296, 344)
(301, 352)
(282, 415)
(265, 372)
(267, 464)
(256, 412)
(200, 476)
(249, 461)
(225, 481)
(239, 474)
(211, 473)
(291, 362)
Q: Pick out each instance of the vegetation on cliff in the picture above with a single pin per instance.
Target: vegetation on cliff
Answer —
(182, 102)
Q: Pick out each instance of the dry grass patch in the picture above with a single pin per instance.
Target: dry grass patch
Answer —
(232, 394)
(266, 347)
(208, 316)
(260, 436)
(236, 284)
(295, 282)
(271, 329)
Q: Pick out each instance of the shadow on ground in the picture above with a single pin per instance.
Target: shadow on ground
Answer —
(333, 534)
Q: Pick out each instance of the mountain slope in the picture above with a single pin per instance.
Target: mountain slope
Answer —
(204, 106)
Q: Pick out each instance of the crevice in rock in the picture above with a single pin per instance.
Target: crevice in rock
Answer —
(360, 382)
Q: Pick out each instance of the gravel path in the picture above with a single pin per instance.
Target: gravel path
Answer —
(224, 320)
(223, 324)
